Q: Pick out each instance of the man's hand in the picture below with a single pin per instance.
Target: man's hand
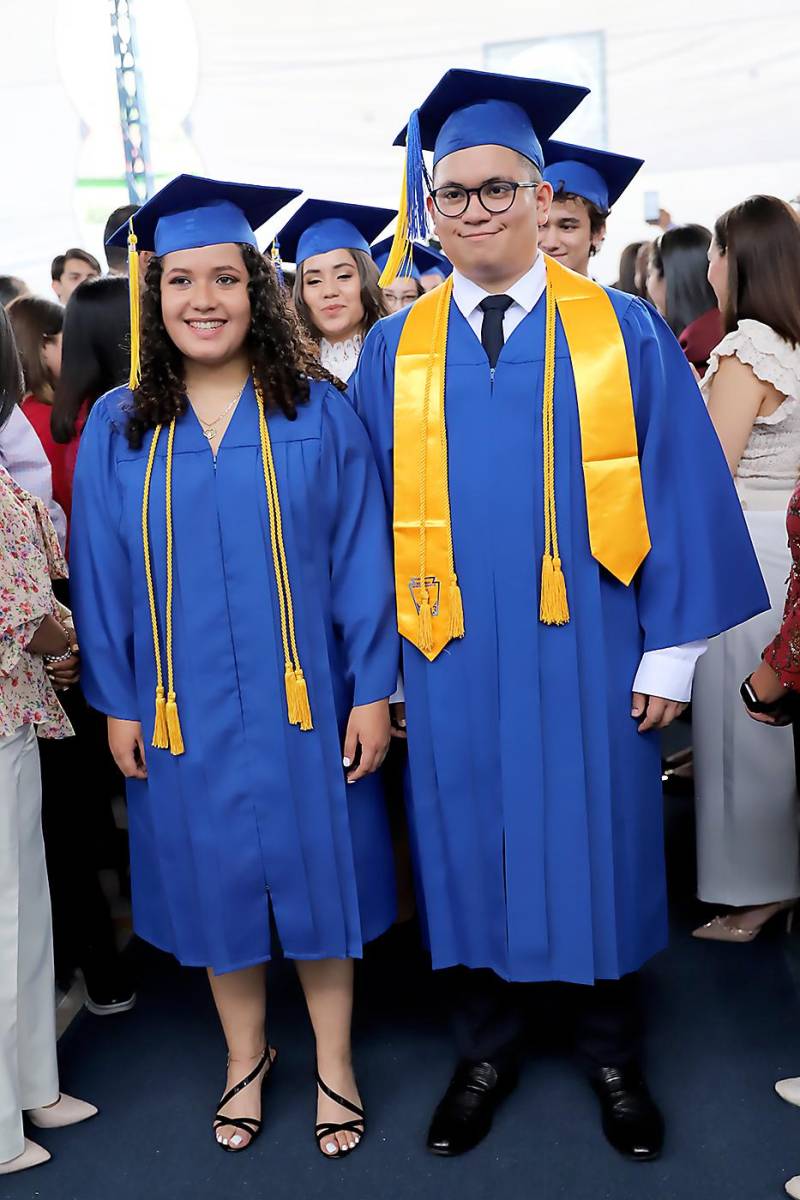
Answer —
(657, 712)
(397, 713)
(126, 743)
(368, 728)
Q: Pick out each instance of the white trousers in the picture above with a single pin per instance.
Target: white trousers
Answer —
(28, 1069)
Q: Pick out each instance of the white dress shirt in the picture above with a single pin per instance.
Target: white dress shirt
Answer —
(667, 673)
(22, 456)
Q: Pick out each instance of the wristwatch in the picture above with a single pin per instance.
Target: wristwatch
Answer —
(763, 707)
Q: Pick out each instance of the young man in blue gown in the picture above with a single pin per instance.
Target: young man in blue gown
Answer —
(567, 536)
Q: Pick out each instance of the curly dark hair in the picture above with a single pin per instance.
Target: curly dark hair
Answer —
(282, 358)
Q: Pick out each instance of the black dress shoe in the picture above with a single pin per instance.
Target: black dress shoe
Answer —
(464, 1115)
(631, 1121)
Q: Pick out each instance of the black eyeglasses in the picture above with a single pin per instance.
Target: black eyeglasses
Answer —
(496, 196)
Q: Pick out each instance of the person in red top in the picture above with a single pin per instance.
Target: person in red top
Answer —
(38, 326)
(780, 665)
(677, 283)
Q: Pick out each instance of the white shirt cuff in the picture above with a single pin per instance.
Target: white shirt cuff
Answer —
(669, 673)
(400, 695)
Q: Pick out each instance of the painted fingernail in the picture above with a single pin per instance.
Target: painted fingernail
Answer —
(347, 762)
(330, 1148)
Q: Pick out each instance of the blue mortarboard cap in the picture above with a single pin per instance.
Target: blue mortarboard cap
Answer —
(322, 225)
(596, 175)
(483, 108)
(192, 211)
(424, 259)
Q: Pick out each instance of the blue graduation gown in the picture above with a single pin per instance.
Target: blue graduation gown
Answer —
(536, 804)
(256, 811)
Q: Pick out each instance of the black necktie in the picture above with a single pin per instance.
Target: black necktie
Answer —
(492, 336)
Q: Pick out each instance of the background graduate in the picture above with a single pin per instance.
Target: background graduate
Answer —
(407, 287)
(566, 534)
(586, 183)
(227, 512)
(335, 293)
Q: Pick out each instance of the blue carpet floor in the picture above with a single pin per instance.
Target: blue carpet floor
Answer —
(724, 1024)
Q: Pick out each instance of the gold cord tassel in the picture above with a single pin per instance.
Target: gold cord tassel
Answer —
(425, 621)
(302, 705)
(174, 726)
(133, 292)
(553, 605)
(160, 731)
(456, 609)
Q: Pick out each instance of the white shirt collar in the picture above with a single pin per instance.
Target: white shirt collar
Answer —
(525, 292)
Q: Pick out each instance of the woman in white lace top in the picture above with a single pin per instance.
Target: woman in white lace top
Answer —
(746, 791)
(336, 293)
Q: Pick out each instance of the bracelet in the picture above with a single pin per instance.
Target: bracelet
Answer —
(57, 658)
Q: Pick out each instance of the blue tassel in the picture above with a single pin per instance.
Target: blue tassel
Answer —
(415, 182)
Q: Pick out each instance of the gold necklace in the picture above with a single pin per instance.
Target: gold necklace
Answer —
(209, 427)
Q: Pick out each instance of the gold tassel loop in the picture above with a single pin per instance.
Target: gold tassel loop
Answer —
(160, 732)
(135, 377)
(456, 609)
(174, 726)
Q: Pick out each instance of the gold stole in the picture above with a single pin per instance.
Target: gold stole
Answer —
(429, 606)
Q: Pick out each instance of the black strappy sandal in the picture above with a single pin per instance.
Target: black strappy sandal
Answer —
(248, 1125)
(328, 1128)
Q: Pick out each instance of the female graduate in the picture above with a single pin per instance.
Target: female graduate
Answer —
(586, 183)
(232, 583)
(408, 286)
(336, 293)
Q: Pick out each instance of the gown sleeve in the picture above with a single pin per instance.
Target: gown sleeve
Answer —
(362, 587)
(372, 395)
(701, 576)
(100, 573)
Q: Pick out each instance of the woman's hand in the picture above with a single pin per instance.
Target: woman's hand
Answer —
(126, 744)
(369, 728)
(768, 688)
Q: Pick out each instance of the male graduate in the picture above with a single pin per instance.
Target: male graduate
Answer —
(566, 535)
(586, 183)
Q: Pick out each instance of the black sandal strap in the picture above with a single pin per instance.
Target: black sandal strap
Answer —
(326, 1127)
(234, 1091)
(348, 1104)
(250, 1125)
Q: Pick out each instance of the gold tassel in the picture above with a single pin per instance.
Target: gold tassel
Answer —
(174, 726)
(133, 290)
(554, 609)
(456, 609)
(425, 622)
(160, 734)
(302, 706)
(400, 248)
(290, 686)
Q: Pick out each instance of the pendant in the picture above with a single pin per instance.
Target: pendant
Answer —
(210, 434)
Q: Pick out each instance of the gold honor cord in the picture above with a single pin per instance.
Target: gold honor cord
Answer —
(297, 702)
(167, 732)
(167, 728)
(553, 606)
